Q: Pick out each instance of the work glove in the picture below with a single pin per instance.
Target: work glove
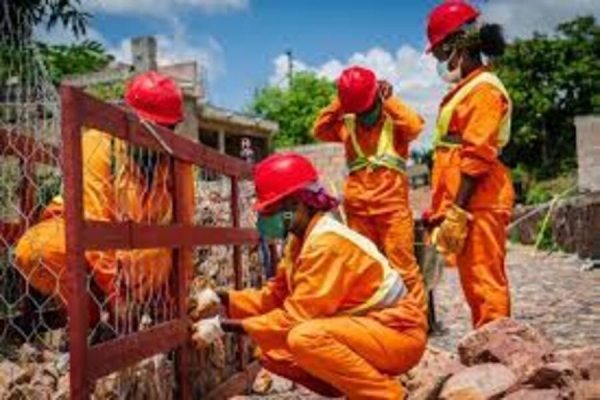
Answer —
(206, 331)
(449, 237)
(203, 303)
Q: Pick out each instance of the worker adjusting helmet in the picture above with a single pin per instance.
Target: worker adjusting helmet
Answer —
(449, 18)
(155, 98)
(357, 90)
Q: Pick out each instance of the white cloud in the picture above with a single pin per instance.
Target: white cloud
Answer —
(172, 48)
(163, 8)
(521, 18)
(412, 73)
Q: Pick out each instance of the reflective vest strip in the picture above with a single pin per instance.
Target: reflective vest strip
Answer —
(385, 156)
(447, 111)
(392, 287)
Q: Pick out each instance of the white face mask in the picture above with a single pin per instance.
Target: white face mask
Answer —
(444, 72)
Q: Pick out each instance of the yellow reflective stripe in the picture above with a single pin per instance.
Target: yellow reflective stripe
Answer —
(392, 287)
(385, 156)
(447, 111)
(350, 122)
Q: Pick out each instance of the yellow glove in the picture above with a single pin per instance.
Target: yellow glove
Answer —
(206, 332)
(449, 237)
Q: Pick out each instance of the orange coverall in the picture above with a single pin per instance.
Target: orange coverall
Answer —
(114, 190)
(481, 263)
(376, 201)
(302, 334)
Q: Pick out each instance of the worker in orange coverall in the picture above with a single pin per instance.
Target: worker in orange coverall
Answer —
(337, 317)
(472, 190)
(376, 129)
(120, 183)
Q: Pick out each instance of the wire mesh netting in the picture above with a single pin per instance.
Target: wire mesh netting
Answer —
(213, 266)
(128, 290)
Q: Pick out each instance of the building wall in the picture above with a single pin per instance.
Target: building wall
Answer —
(588, 153)
(330, 160)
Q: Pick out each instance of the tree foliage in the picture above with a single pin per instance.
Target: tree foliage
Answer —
(551, 79)
(74, 59)
(19, 17)
(294, 108)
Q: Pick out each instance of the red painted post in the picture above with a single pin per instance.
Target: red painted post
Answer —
(183, 204)
(78, 303)
(237, 260)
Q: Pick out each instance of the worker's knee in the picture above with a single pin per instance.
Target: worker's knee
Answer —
(304, 339)
(40, 259)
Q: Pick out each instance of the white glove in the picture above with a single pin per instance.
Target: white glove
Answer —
(203, 303)
(206, 331)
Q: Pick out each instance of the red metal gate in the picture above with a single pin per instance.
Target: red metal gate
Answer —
(89, 363)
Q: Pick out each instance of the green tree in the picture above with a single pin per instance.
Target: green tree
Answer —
(20, 17)
(551, 80)
(294, 108)
(74, 59)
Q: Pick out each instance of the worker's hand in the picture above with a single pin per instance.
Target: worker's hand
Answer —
(203, 303)
(386, 90)
(449, 237)
(206, 331)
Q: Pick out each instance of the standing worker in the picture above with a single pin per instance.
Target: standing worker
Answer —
(376, 129)
(472, 190)
(336, 318)
(120, 183)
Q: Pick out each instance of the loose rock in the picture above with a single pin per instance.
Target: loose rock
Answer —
(479, 382)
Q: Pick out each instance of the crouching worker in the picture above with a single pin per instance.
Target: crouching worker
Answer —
(335, 318)
(120, 183)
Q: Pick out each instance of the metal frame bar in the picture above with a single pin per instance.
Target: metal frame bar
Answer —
(87, 364)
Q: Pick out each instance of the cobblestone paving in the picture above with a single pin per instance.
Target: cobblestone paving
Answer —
(552, 292)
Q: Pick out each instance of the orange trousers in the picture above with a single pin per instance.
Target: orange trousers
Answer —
(40, 256)
(481, 267)
(394, 234)
(357, 357)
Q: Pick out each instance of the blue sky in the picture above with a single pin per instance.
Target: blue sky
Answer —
(241, 42)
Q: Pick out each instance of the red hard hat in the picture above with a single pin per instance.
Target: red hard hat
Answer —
(448, 18)
(279, 176)
(155, 98)
(357, 89)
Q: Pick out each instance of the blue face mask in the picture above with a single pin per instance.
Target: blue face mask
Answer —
(275, 226)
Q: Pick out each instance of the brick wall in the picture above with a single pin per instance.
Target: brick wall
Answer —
(588, 153)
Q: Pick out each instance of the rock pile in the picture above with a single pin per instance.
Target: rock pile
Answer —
(503, 360)
(506, 360)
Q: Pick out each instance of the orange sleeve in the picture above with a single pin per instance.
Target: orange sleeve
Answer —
(486, 109)
(97, 176)
(329, 124)
(408, 124)
(251, 302)
(321, 282)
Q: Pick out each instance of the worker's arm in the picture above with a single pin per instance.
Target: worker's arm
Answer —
(321, 281)
(479, 151)
(329, 123)
(408, 124)
(98, 180)
(251, 302)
